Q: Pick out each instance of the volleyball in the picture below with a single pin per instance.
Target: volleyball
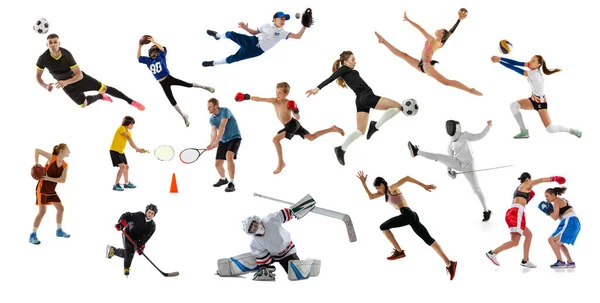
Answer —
(505, 47)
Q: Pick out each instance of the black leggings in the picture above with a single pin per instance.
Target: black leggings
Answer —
(168, 82)
(284, 262)
(408, 217)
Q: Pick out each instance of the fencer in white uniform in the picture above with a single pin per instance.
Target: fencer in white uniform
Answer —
(459, 157)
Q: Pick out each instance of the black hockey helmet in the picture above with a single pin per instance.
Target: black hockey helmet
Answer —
(152, 207)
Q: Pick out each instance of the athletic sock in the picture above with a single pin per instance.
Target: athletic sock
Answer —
(388, 114)
(351, 138)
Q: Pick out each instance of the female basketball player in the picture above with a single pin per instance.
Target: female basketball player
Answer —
(433, 43)
(394, 196)
(537, 101)
(568, 228)
(157, 64)
(515, 218)
(56, 172)
(343, 70)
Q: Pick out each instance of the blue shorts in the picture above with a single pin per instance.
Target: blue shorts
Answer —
(568, 229)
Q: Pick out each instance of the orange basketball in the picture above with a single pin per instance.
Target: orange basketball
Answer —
(37, 172)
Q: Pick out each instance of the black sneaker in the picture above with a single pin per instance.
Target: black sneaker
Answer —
(213, 34)
(208, 63)
(486, 215)
(372, 129)
(339, 153)
(414, 150)
(230, 188)
(221, 182)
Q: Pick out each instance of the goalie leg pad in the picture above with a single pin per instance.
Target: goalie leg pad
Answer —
(303, 269)
(303, 207)
(237, 265)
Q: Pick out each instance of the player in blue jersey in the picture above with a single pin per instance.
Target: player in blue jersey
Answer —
(157, 64)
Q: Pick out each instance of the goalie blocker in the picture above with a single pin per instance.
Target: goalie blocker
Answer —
(246, 263)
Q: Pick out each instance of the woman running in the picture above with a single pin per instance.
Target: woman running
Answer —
(515, 218)
(346, 76)
(394, 196)
(568, 228)
(56, 172)
(537, 101)
(433, 43)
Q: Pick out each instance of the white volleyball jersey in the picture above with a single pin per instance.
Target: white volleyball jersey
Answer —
(461, 150)
(276, 243)
(269, 35)
(536, 81)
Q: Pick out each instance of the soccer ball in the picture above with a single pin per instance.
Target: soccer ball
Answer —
(410, 107)
(41, 26)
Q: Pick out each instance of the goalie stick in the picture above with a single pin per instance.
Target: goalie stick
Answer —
(325, 212)
(170, 274)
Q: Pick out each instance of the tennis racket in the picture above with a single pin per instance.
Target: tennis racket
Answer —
(162, 153)
(190, 155)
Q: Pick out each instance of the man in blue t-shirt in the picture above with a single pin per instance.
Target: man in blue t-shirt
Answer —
(157, 64)
(226, 135)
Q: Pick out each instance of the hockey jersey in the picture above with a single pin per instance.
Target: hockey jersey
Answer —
(276, 243)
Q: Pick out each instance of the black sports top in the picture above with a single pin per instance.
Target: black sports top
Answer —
(563, 209)
(521, 194)
(59, 68)
(351, 77)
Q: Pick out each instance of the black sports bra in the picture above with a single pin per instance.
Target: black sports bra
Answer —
(563, 209)
(521, 194)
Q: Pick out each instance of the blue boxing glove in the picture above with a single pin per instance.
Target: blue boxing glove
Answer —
(546, 207)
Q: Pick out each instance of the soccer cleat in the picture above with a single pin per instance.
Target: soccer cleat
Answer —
(522, 135)
(575, 132)
(208, 63)
(106, 97)
(212, 34)
(221, 182)
(414, 150)
(138, 105)
(62, 234)
(129, 185)
(451, 269)
(185, 119)
(339, 153)
(396, 255)
(527, 264)
(372, 129)
(126, 271)
(230, 188)
(492, 256)
(33, 239)
(486, 215)
(110, 251)
(118, 187)
(559, 264)
(570, 264)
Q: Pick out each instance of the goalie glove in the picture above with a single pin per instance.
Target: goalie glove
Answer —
(303, 207)
(264, 274)
(307, 18)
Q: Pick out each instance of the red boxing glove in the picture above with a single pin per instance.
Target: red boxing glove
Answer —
(558, 179)
(239, 97)
(121, 225)
(293, 106)
(531, 195)
(140, 249)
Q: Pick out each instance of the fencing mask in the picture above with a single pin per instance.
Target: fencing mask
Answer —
(453, 128)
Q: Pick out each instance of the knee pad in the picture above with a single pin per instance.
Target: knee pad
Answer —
(515, 107)
(303, 269)
(551, 129)
(238, 265)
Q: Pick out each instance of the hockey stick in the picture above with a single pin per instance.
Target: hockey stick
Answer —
(472, 171)
(170, 274)
(325, 212)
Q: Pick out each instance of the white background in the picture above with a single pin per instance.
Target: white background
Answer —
(201, 224)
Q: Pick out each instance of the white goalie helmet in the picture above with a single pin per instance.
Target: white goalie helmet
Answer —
(247, 223)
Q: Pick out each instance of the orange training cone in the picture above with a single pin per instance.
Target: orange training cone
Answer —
(173, 185)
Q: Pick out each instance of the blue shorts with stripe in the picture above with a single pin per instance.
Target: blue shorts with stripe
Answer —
(568, 229)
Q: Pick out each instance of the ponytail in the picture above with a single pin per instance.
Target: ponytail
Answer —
(557, 191)
(544, 67)
(378, 181)
(58, 148)
(345, 55)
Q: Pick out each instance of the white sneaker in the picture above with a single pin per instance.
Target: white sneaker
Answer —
(185, 119)
(528, 264)
(492, 256)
